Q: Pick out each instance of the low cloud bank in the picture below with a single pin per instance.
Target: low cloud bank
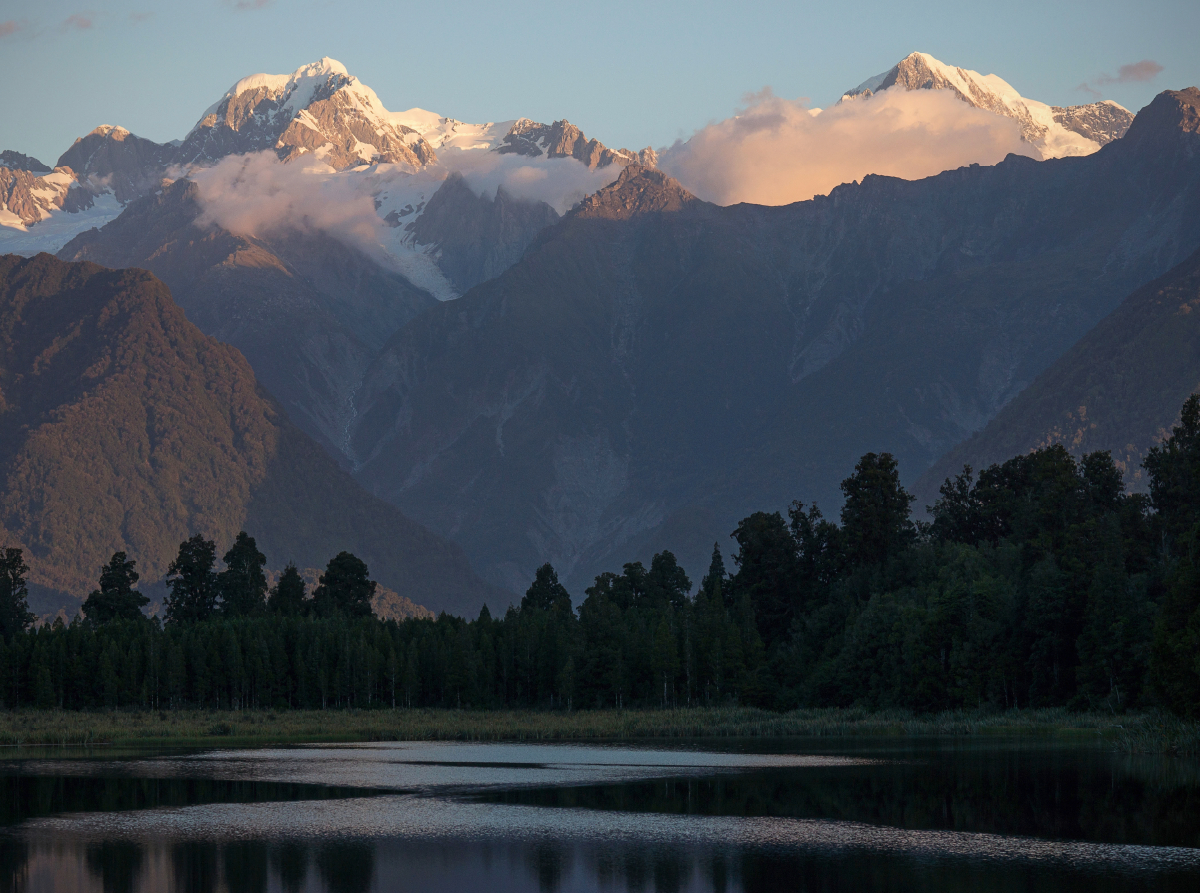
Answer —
(559, 182)
(776, 151)
(258, 195)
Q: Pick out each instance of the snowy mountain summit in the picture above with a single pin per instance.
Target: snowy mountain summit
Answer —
(319, 108)
(1056, 131)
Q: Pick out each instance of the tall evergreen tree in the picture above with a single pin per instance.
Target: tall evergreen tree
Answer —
(666, 582)
(766, 574)
(545, 592)
(116, 599)
(287, 595)
(1174, 468)
(15, 616)
(344, 588)
(716, 580)
(875, 516)
(243, 585)
(192, 582)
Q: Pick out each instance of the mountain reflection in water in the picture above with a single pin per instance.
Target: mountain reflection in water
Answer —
(561, 818)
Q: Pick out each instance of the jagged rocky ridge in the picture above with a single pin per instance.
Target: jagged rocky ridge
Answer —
(655, 367)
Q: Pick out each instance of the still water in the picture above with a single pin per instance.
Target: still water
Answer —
(705, 816)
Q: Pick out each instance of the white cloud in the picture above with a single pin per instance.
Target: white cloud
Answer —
(777, 151)
(559, 182)
(258, 195)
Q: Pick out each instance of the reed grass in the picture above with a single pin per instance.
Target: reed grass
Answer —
(1135, 733)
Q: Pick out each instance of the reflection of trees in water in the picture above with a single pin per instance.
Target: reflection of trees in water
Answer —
(246, 866)
(549, 862)
(346, 866)
(194, 866)
(662, 869)
(14, 863)
(1058, 794)
(290, 861)
(117, 863)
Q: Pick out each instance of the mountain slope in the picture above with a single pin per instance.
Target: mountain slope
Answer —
(655, 367)
(125, 428)
(1119, 388)
(1055, 130)
(307, 311)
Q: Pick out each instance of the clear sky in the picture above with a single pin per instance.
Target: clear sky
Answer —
(629, 74)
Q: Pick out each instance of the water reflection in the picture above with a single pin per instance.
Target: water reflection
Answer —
(361, 866)
(117, 864)
(566, 819)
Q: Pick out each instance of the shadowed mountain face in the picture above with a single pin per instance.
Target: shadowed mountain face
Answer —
(1118, 389)
(308, 312)
(123, 427)
(476, 238)
(655, 367)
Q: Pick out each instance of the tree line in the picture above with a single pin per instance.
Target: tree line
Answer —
(1038, 582)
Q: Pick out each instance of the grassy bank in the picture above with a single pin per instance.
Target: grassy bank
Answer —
(1136, 733)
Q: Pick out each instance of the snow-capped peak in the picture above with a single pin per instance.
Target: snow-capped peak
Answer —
(319, 108)
(1056, 131)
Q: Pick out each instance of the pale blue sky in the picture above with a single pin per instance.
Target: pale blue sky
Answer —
(629, 74)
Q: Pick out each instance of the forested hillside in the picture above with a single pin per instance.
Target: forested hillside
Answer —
(1039, 582)
(125, 428)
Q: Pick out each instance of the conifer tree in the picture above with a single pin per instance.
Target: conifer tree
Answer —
(875, 516)
(116, 599)
(546, 592)
(192, 582)
(344, 588)
(287, 595)
(243, 585)
(15, 616)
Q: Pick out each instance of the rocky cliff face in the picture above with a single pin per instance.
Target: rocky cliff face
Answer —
(475, 238)
(654, 367)
(562, 139)
(20, 162)
(111, 159)
(27, 198)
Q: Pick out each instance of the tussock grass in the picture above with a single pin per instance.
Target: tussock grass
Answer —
(1138, 733)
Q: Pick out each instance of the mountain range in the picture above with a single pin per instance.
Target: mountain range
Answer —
(654, 367)
(606, 366)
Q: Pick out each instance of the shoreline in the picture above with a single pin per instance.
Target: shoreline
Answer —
(1132, 733)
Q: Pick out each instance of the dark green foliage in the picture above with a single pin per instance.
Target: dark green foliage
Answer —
(116, 599)
(767, 572)
(15, 616)
(287, 595)
(875, 515)
(192, 582)
(345, 588)
(243, 585)
(1174, 468)
(546, 591)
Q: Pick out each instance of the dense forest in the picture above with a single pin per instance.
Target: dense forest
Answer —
(1038, 582)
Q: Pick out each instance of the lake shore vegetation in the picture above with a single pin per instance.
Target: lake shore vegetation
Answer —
(1133, 732)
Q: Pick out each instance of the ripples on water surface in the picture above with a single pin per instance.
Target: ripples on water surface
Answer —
(930, 815)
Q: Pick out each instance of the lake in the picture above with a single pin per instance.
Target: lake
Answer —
(864, 815)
